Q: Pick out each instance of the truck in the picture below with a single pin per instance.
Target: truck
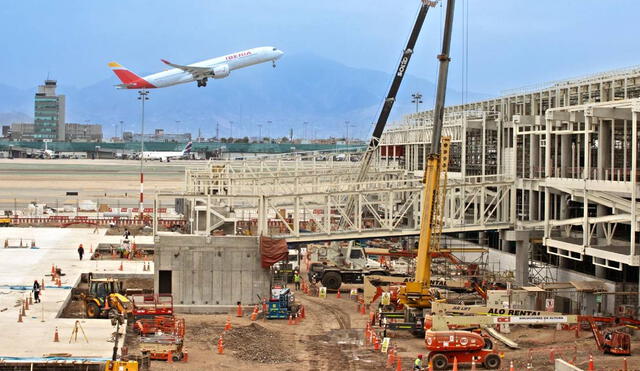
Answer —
(336, 264)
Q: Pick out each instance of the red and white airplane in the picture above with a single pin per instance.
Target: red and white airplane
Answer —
(216, 68)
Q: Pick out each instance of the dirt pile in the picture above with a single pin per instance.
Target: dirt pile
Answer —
(256, 343)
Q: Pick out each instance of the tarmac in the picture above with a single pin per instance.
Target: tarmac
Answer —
(19, 267)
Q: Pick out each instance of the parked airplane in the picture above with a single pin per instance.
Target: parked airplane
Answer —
(166, 156)
(216, 68)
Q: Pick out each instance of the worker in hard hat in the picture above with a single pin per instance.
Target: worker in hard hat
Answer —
(296, 280)
(417, 364)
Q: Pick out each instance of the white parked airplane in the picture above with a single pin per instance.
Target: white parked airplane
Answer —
(216, 68)
(166, 156)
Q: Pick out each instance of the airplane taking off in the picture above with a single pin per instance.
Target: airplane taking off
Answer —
(216, 68)
(166, 156)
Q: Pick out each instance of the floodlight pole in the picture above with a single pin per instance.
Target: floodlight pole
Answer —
(142, 96)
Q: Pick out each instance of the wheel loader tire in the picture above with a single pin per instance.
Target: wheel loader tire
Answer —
(491, 362)
(332, 280)
(93, 311)
(439, 362)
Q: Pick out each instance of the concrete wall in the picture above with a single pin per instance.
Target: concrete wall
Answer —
(211, 273)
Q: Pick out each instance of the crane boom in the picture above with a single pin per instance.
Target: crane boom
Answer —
(417, 294)
(407, 53)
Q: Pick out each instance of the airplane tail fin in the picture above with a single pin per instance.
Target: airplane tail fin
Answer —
(126, 76)
(187, 149)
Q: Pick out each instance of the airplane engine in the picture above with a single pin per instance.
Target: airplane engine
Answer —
(221, 71)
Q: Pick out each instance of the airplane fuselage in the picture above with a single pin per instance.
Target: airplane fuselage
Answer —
(220, 67)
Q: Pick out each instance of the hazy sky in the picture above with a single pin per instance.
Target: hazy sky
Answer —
(511, 42)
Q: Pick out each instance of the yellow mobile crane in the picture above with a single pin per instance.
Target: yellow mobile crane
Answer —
(417, 295)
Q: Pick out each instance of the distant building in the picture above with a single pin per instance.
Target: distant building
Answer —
(83, 133)
(22, 131)
(49, 113)
(6, 130)
(159, 136)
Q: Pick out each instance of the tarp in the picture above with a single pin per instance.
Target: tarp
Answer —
(272, 251)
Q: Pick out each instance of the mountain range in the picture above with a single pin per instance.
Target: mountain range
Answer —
(303, 88)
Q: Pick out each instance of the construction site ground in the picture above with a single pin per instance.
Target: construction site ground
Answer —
(19, 267)
(331, 337)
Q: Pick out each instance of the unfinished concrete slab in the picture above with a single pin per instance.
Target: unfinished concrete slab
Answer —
(19, 267)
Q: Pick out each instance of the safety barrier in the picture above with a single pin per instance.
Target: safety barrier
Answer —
(97, 221)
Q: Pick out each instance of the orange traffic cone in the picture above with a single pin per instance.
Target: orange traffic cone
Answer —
(552, 355)
(338, 294)
(399, 364)
(91, 248)
(26, 304)
(455, 364)
(473, 363)
(363, 309)
(20, 316)
(302, 312)
(376, 343)
(227, 326)
(624, 364)
(59, 282)
(106, 305)
(220, 345)
(254, 315)
(592, 366)
(30, 300)
(239, 312)
(391, 357)
(121, 267)
(511, 368)
(170, 357)
(56, 338)
(24, 313)
(53, 269)
(430, 366)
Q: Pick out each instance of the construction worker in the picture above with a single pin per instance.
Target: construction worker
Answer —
(417, 364)
(296, 280)
(80, 251)
(36, 290)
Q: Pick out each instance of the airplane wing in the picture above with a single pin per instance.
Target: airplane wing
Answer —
(196, 72)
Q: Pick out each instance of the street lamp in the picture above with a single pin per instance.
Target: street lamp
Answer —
(142, 96)
(346, 138)
(268, 128)
(417, 99)
(260, 135)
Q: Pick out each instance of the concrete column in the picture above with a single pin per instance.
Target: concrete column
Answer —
(604, 148)
(534, 167)
(522, 262)
(565, 155)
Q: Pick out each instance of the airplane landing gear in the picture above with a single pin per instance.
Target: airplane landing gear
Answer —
(202, 82)
(273, 63)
